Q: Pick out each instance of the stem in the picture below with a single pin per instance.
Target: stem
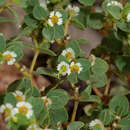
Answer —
(34, 61)
(76, 103)
(107, 87)
(98, 93)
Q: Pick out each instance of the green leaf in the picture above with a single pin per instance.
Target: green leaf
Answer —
(40, 13)
(98, 81)
(95, 21)
(123, 63)
(84, 75)
(2, 42)
(3, 20)
(58, 115)
(62, 58)
(106, 116)
(48, 33)
(91, 98)
(72, 77)
(87, 2)
(25, 32)
(30, 21)
(59, 31)
(115, 11)
(36, 92)
(82, 41)
(1, 2)
(75, 46)
(33, 2)
(58, 97)
(47, 51)
(119, 105)
(123, 26)
(76, 125)
(37, 105)
(10, 98)
(100, 67)
(46, 71)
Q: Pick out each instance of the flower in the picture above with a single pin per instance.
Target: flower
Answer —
(95, 123)
(10, 57)
(68, 53)
(7, 111)
(63, 68)
(76, 67)
(74, 10)
(24, 108)
(47, 101)
(115, 3)
(92, 58)
(33, 127)
(128, 17)
(19, 95)
(55, 18)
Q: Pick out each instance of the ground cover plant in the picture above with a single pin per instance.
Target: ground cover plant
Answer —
(82, 95)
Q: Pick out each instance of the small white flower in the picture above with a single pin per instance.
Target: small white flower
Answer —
(23, 68)
(7, 111)
(19, 95)
(52, 41)
(68, 53)
(24, 108)
(47, 101)
(63, 68)
(74, 10)
(115, 3)
(128, 17)
(55, 18)
(95, 123)
(76, 67)
(33, 127)
(10, 57)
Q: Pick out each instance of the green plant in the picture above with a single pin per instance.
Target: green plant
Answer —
(105, 106)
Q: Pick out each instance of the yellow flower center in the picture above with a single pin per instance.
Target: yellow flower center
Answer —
(7, 112)
(68, 55)
(19, 98)
(63, 68)
(45, 100)
(23, 110)
(32, 129)
(54, 19)
(74, 68)
(97, 125)
(8, 57)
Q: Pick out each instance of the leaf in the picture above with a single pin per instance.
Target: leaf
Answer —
(76, 125)
(37, 105)
(58, 97)
(46, 71)
(84, 75)
(47, 51)
(58, 115)
(48, 33)
(119, 105)
(115, 11)
(30, 21)
(106, 116)
(2, 42)
(72, 77)
(40, 13)
(95, 21)
(59, 31)
(10, 98)
(82, 41)
(98, 81)
(1, 2)
(87, 2)
(3, 20)
(100, 67)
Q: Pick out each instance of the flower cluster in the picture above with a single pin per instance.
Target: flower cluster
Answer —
(9, 57)
(74, 10)
(115, 3)
(65, 68)
(96, 123)
(55, 18)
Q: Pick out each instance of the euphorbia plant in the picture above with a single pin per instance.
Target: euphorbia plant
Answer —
(104, 106)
